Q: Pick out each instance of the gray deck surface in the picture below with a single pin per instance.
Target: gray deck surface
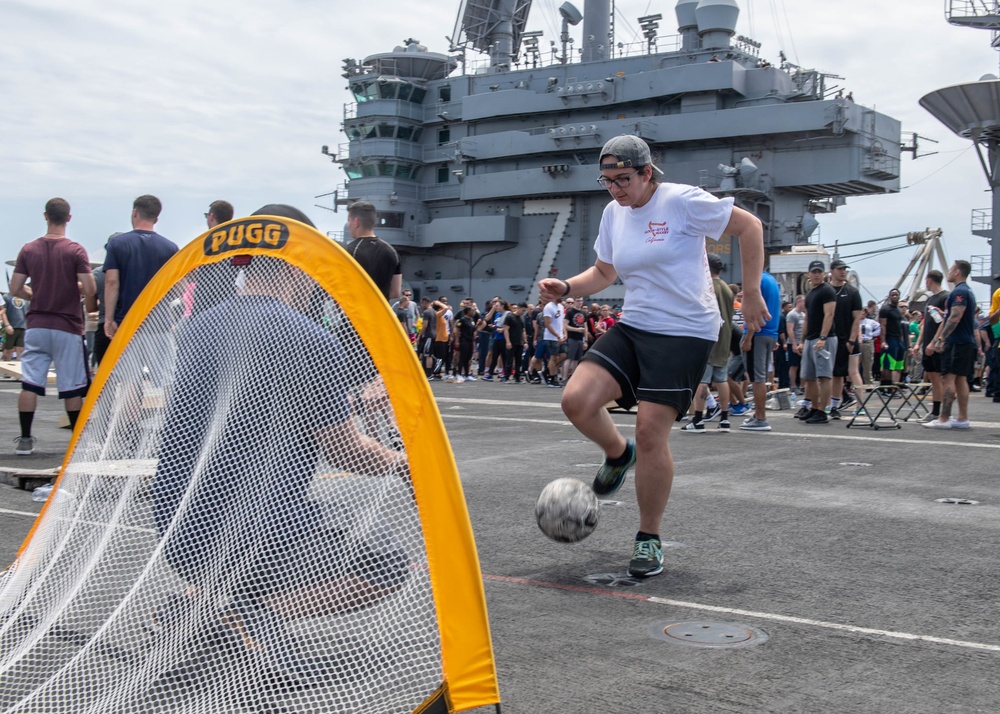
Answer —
(864, 594)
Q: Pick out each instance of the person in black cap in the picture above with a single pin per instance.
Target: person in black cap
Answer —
(847, 327)
(652, 236)
(819, 346)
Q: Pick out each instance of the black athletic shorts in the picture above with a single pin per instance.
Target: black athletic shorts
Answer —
(930, 363)
(842, 362)
(959, 360)
(651, 367)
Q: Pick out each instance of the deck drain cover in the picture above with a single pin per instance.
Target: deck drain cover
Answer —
(957, 501)
(612, 580)
(709, 634)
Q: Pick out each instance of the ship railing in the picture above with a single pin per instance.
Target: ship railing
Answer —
(982, 219)
(881, 166)
(984, 14)
(350, 110)
(659, 45)
(982, 266)
(387, 108)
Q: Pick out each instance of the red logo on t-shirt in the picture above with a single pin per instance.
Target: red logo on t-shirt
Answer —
(656, 230)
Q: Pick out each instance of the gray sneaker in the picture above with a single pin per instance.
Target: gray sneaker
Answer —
(755, 424)
(24, 445)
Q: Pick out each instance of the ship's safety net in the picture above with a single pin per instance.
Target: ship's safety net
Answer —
(235, 528)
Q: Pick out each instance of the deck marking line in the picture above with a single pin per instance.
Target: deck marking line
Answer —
(746, 613)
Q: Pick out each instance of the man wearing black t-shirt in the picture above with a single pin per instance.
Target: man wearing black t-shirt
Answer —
(466, 327)
(956, 342)
(576, 334)
(934, 310)
(819, 346)
(846, 325)
(513, 329)
(890, 319)
(378, 258)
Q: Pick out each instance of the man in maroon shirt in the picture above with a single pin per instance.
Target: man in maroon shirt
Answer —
(59, 269)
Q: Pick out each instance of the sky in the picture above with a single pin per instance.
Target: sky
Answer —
(104, 100)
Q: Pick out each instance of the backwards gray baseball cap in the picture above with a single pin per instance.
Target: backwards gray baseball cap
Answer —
(631, 152)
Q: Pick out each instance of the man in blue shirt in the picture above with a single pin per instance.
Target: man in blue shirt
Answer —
(131, 261)
(956, 342)
(759, 350)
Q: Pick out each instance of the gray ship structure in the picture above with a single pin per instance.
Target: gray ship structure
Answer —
(482, 161)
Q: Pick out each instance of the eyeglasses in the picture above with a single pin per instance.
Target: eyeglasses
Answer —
(207, 215)
(621, 182)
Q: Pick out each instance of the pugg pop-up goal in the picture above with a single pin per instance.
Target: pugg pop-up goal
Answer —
(259, 510)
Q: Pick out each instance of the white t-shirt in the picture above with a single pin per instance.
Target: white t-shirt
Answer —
(555, 329)
(658, 250)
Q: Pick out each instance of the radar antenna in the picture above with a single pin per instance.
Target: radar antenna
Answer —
(914, 146)
(494, 26)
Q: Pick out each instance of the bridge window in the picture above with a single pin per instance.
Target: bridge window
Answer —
(389, 220)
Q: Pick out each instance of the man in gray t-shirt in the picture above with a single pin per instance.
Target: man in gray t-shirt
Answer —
(428, 331)
(793, 321)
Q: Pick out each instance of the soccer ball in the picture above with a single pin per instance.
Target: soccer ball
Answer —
(567, 510)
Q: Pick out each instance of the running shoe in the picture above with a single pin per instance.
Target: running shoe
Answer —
(956, 424)
(647, 559)
(739, 409)
(488, 377)
(755, 424)
(938, 424)
(817, 417)
(694, 428)
(803, 413)
(724, 426)
(24, 445)
(835, 414)
(610, 478)
(928, 418)
(713, 412)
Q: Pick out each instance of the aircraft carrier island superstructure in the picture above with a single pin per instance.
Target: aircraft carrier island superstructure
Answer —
(483, 173)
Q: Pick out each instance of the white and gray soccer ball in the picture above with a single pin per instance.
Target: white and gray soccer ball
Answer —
(567, 510)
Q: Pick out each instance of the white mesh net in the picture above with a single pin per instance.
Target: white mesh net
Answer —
(235, 530)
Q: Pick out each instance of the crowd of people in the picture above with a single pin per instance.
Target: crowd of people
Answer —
(507, 342)
(887, 344)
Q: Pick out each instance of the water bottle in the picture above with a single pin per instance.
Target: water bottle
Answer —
(41, 494)
(792, 398)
